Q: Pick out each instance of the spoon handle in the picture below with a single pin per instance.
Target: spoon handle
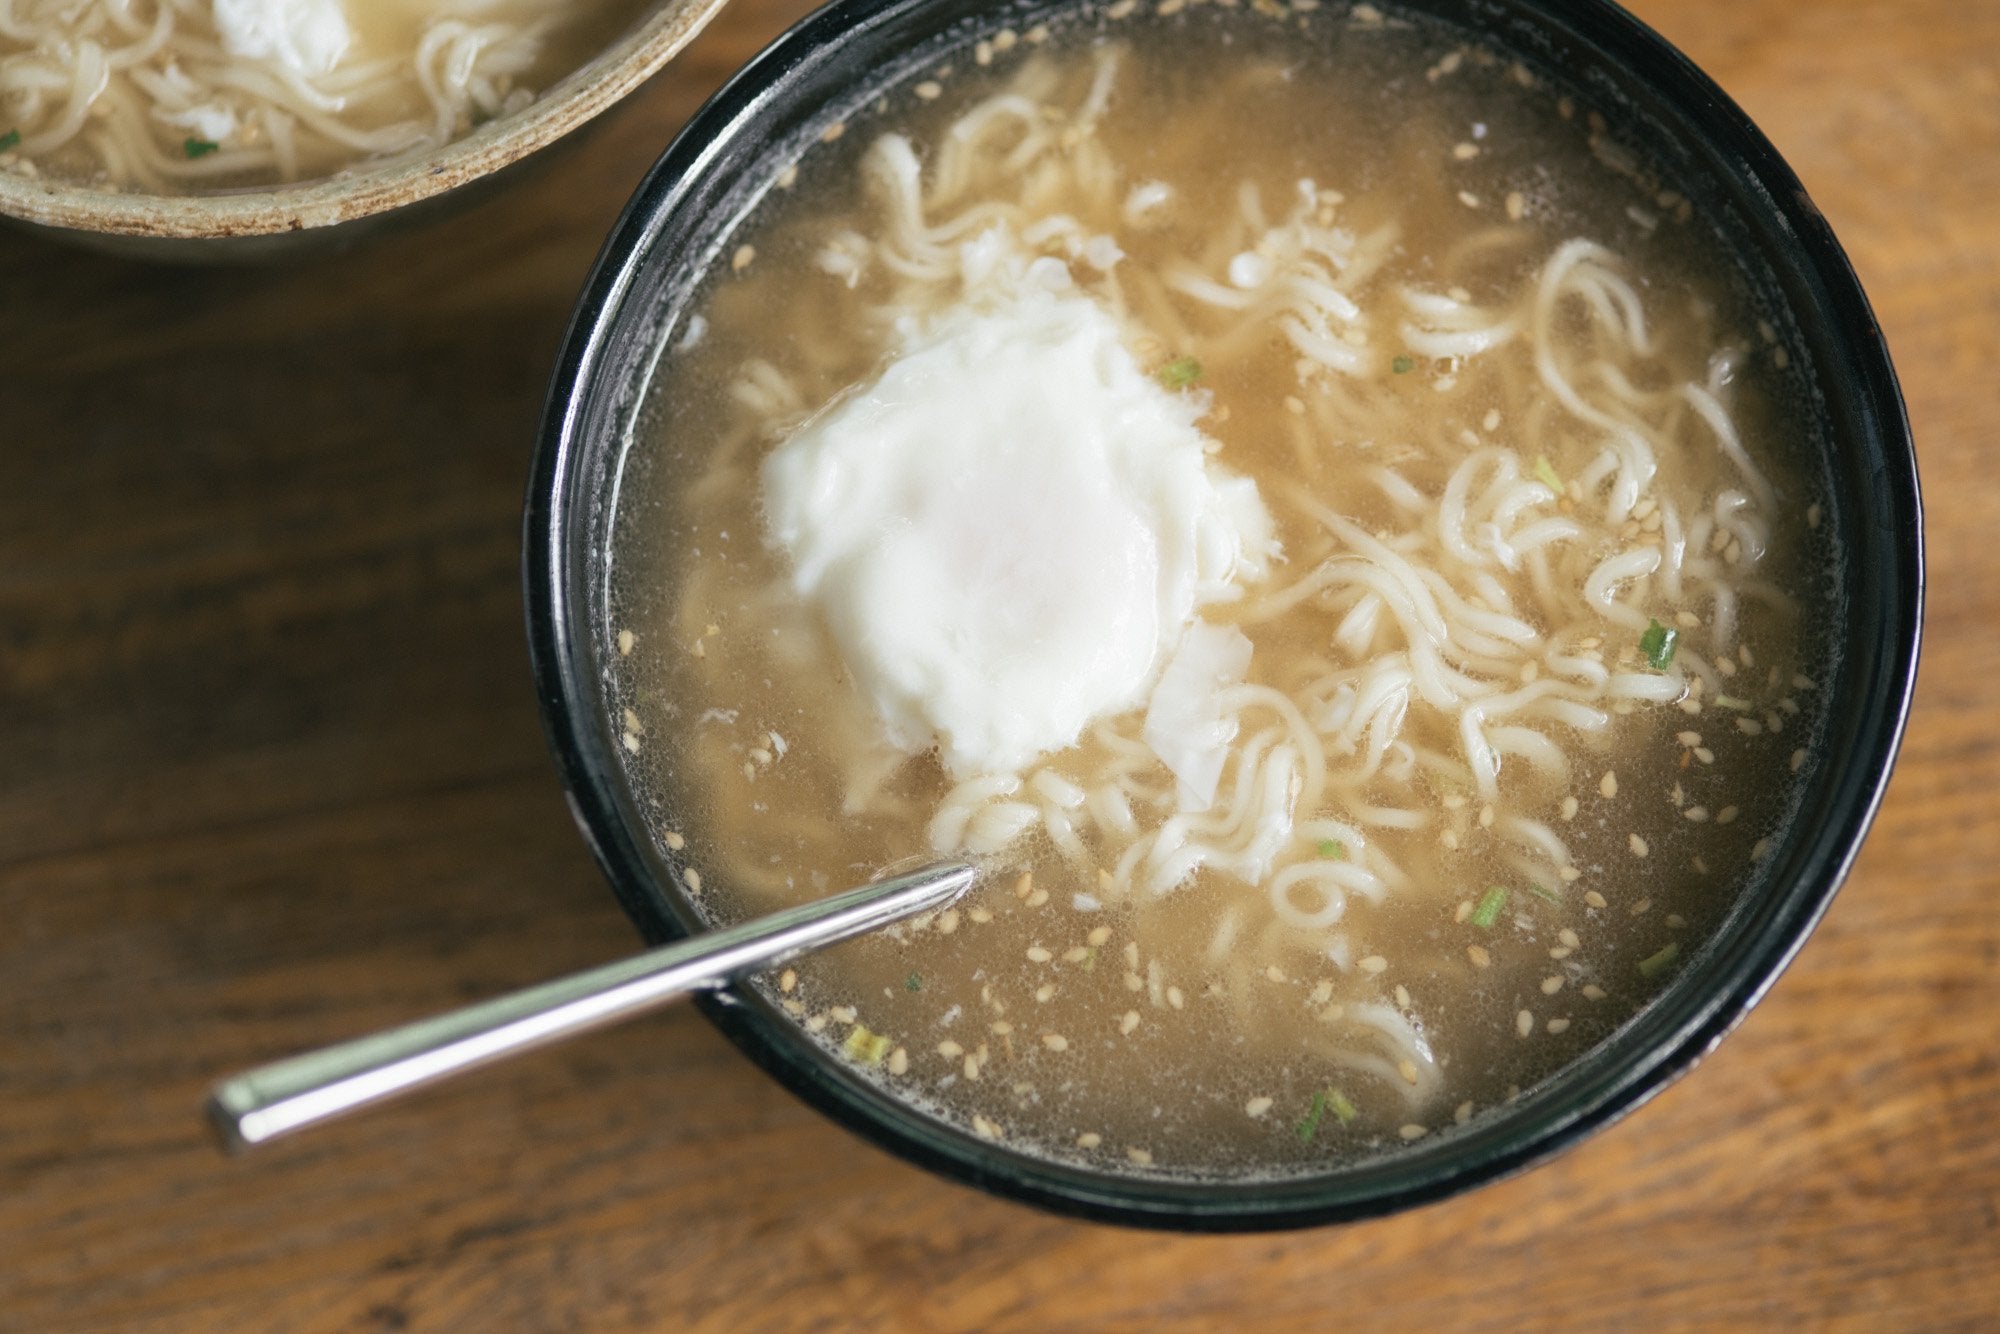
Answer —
(304, 1090)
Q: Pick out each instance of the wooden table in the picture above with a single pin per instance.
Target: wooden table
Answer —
(273, 776)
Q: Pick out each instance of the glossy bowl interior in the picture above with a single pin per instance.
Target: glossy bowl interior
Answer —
(247, 223)
(680, 223)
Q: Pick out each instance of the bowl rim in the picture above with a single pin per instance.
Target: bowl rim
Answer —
(372, 188)
(1741, 965)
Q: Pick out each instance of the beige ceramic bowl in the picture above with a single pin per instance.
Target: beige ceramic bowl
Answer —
(251, 223)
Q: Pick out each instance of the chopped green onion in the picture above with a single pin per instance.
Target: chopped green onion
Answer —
(1652, 965)
(1658, 645)
(1403, 365)
(1490, 904)
(1331, 847)
(1180, 373)
(199, 147)
(1342, 1108)
(1090, 958)
(1731, 702)
(913, 983)
(9, 140)
(1546, 474)
(865, 1046)
(1310, 1125)
(1543, 892)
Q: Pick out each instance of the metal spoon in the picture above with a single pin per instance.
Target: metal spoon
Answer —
(303, 1090)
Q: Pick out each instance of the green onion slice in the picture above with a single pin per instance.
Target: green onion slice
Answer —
(1490, 904)
(1331, 848)
(199, 147)
(1546, 474)
(1658, 644)
(1309, 1127)
(1653, 965)
(1180, 372)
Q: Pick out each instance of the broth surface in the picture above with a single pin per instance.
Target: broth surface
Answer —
(1066, 1006)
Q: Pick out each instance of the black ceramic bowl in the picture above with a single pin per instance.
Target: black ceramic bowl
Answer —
(836, 62)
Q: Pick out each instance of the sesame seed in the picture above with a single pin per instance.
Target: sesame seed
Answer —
(979, 914)
(1486, 816)
(1038, 897)
(1524, 1023)
(1592, 991)
(1689, 739)
(1055, 1042)
(1798, 758)
(816, 1024)
(742, 258)
(1099, 935)
(1174, 997)
(1517, 206)
(844, 1014)
(1608, 785)
(1696, 813)
(1025, 885)
(1551, 985)
(788, 177)
(787, 980)
(1469, 199)
(1477, 953)
(1139, 1156)
(1134, 982)
(1407, 1070)
(1463, 1114)
(930, 90)
(1465, 152)
(1374, 963)
(1076, 954)
(1561, 952)
(1639, 908)
(1402, 995)
(1569, 808)
(1558, 1025)
(1727, 815)
(1257, 1106)
(1036, 954)
(832, 132)
(1413, 1132)
(1704, 754)
(971, 1067)
(1463, 911)
(1762, 848)
(1275, 973)
(947, 921)
(1676, 921)
(692, 878)
(674, 841)
(1638, 845)
(1129, 1022)
(1089, 1140)
(985, 1127)
(1568, 874)
(899, 1061)
(1749, 727)
(1000, 1028)
(1569, 938)
(1593, 898)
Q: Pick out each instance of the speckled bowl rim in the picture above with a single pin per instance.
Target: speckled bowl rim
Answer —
(374, 188)
(681, 219)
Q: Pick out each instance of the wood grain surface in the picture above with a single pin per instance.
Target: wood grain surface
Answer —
(273, 776)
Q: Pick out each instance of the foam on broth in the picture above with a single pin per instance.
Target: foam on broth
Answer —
(1195, 1031)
